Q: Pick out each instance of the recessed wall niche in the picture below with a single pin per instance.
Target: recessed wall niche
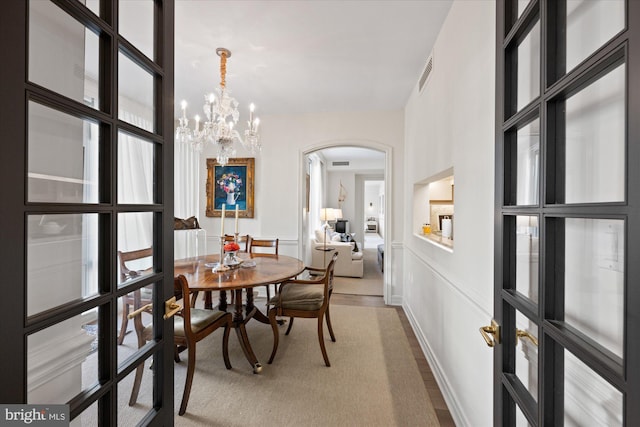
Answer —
(433, 209)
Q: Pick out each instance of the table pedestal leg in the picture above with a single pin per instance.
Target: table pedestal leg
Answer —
(258, 315)
(208, 300)
(239, 323)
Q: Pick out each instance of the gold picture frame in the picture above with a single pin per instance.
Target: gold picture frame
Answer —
(231, 184)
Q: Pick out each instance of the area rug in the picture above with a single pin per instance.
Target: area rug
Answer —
(373, 379)
(370, 284)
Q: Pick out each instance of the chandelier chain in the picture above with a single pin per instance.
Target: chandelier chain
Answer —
(223, 69)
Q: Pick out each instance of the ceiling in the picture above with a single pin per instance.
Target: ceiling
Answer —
(292, 57)
(360, 159)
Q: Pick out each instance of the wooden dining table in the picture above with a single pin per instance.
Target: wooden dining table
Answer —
(254, 270)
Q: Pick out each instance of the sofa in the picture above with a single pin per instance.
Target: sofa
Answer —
(348, 264)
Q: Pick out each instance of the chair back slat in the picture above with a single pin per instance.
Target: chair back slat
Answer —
(134, 255)
(263, 243)
(181, 292)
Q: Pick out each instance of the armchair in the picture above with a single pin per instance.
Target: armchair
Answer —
(307, 299)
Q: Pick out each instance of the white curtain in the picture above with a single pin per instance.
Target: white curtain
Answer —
(316, 193)
(186, 180)
(135, 186)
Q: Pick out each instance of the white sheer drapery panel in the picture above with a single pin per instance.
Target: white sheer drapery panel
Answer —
(135, 185)
(189, 243)
(90, 193)
(186, 180)
(316, 193)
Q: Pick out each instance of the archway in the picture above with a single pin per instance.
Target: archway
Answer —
(303, 231)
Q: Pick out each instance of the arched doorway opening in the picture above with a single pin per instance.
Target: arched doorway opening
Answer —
(333, 174)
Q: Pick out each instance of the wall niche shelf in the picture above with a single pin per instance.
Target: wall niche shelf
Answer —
(432, 201)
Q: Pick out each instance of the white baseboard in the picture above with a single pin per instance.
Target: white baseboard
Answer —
(447, 392)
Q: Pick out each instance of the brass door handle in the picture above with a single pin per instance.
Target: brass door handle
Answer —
(145, 308)
(171, 308)
(491, 334)
(525, 334)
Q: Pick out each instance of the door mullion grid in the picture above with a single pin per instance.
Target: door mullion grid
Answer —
(554, 212)
(556, 85)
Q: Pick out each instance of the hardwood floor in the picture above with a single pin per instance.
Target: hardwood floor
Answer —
(440, 406)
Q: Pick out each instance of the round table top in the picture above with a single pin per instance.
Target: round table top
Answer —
(268, 269)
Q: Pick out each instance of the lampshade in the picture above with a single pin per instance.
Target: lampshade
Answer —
(337, 213)
(327, 214)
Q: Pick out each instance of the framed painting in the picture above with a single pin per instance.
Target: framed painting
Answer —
(231, 185)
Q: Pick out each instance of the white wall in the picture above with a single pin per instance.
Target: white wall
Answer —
(448, 296)
(279, 183)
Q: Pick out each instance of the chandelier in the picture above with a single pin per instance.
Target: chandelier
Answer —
(221, 112)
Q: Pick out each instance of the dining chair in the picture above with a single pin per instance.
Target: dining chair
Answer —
(190, 326)
(307, 299)
(139, 297)
(260, 246)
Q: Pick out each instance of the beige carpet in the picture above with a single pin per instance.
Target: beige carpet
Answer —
(373, 381)
(370, 284)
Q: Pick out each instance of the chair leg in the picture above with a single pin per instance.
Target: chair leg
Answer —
(321, 339)
(136, 385)
(328, 317)
(124, 322)
(290, 326)
(176, 354)
(225, 343)
(191, 365)
(276, 334)
(268, 294)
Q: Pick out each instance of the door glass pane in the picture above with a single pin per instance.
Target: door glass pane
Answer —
(135, 233)
(522, 5)
(135, 169)
(590, 24)
(528, 163)
(135, 94)
(132, 415)
(62, 157)
(529, 67)
(527, 355)
(92, 5)
(595, 141)
(63, 54)
(521, 420)
(88, 417)
(588, 399)
(594, 279)
(527, 254)
(136, 24)
(62, 259)
(140, 326)
(62, 359)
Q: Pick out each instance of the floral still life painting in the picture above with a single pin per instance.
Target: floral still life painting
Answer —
(231, 185)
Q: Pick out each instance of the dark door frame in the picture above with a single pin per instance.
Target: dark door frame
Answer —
(551, 210)
(15, 93)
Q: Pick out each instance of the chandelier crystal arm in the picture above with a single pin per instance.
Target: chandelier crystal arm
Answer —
(217, 129)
